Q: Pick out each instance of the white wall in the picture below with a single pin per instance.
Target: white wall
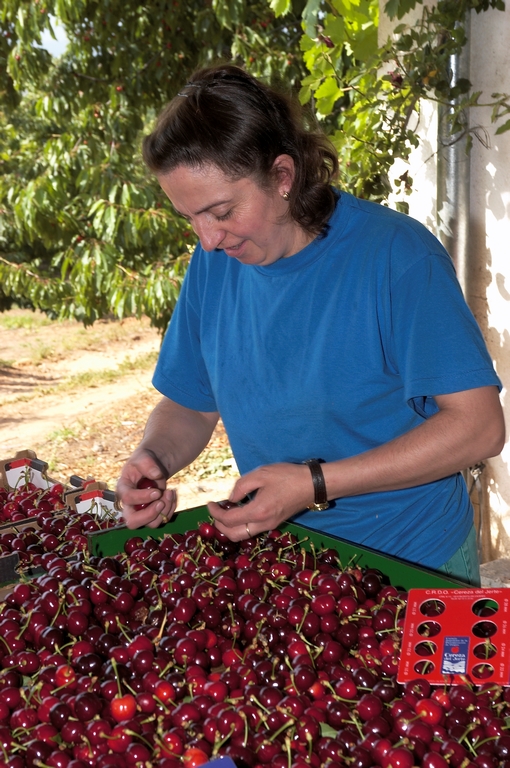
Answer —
(490, 239)
(422, 166)
(489, 232)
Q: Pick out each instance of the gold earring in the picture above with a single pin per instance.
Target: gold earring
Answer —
(285, 195)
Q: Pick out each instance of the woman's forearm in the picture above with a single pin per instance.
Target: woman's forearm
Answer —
(468, 428)
(174, 436)
(177, 435)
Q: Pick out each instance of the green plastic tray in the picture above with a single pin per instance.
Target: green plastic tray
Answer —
(401, 574)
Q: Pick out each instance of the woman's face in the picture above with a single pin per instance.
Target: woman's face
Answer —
(248, 223)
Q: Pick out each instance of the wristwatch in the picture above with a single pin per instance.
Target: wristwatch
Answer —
(319, 485)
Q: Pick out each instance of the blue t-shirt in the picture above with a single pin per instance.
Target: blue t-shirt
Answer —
(330, 352)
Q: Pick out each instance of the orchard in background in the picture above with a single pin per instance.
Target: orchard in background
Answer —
(84, 231)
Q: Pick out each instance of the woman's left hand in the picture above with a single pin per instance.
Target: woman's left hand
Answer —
(283, 490)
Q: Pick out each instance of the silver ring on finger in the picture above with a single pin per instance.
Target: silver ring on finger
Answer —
(248, 530)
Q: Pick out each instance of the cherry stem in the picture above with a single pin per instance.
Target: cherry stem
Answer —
(131, 690)
(163, 704)
(18, 732)
(89, 745)
(335, 694)
(52, 622)
(59, 688)
(310, 745)
(464, 738)
(288, 750)
(122, 628)
(246, 729)
(165, 670)
(218, 745)
(139, 736)
(314, 554)
(281, 729)
(216, 576)
(158, 637)
(259, 704)
(116, 672)
(33, 692)
(488, 739)
(4, 641)
(305, 614)
(355, 721)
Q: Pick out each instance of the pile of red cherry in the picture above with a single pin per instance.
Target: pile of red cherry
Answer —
(193, 647)
(56, 528)
(27, 500)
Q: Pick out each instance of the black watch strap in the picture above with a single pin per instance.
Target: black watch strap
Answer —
(319, 485)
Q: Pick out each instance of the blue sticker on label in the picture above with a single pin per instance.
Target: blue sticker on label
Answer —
(455, 655)
(221, 762)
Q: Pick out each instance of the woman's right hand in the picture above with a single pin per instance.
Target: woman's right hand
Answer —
(149, 506)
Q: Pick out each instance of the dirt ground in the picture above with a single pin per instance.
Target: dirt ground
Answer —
(79, 397)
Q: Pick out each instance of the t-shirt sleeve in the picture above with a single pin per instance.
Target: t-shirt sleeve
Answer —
(180, 372)
(438, 345)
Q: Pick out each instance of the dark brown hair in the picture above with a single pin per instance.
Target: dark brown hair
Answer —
(226, 117)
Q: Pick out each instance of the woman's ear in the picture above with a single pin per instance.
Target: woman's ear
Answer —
(284, 171)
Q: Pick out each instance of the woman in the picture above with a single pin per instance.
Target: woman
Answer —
(316, 325)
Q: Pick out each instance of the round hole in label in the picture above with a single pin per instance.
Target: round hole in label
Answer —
(429, 629)
(483, 671)
(424, 667)
(485, 650)
(485, 607)
(484, 629)
(426, 648)
(432, 608)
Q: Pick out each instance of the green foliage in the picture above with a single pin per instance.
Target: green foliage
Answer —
(84, 231)
(368, 96)
(399, 8)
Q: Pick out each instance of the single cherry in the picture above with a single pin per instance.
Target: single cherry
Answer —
(145, 482)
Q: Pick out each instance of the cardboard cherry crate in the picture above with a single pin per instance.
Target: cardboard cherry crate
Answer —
(80, 495)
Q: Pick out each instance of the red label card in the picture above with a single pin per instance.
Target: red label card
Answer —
(451, 635)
